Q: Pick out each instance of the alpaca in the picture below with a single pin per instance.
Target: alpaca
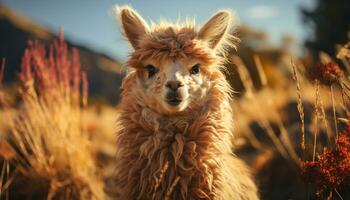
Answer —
(175, 114)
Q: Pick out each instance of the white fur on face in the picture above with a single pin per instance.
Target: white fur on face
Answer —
(194, 86)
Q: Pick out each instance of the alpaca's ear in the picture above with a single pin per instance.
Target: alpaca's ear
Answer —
(134, 26)
(215, 29)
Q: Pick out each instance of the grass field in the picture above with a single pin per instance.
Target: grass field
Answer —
(292, 130)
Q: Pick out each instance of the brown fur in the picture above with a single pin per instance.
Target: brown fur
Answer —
(185, 154)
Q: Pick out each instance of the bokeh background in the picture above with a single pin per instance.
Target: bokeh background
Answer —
(92, 23)
(274, 34)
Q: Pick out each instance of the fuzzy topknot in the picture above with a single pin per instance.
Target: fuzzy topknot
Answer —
(167, 39)
(171, 42)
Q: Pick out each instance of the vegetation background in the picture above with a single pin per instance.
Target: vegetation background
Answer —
(58, 100)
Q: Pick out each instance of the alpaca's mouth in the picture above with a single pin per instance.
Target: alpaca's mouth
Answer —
(174, 102)
(173, 98)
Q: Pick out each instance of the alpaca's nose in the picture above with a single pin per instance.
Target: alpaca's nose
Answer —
(173, 85)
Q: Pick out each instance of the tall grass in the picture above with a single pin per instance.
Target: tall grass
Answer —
(329, 170)
(50, 148)
(316, 143)
(300, 107)
(53, 155)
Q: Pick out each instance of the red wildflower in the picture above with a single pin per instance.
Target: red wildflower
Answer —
(53, 72)
(332, 170)
(326, 73)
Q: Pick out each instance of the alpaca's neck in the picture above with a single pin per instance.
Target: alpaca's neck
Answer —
(188, 148)
(216, 111)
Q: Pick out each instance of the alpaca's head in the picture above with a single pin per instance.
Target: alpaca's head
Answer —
(174, 66)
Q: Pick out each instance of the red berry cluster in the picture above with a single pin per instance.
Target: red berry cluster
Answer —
(326, 73)
(332, 169)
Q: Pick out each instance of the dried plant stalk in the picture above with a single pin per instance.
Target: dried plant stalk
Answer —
(244, 75)
(249, 86)
(6, 177)
(315, 139)
(276, 141)
(317, 116)
(3, 176)
(344, 95)
(253, 140)
(334, 113)
(285, 139)
(336, 191)
(300, 107)
(322, 114)
(48, 134)
(261, 72)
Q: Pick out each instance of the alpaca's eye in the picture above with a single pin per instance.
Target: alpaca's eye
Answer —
(151, 70)
(195, 69)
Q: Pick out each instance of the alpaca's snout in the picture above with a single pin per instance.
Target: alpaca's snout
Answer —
(173, 98)
(174, 94)
(174, 85)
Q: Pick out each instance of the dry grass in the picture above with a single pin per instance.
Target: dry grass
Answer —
(261, 113)
(300, 107)
(48, 135)
(255, 106)
(61, 149)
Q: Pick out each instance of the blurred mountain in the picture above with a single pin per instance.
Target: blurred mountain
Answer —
(265, 63)
(104, 72)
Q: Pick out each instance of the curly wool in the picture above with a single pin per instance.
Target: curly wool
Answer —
(182, 156)
(197, 150)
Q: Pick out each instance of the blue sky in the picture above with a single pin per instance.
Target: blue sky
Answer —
(92, 23)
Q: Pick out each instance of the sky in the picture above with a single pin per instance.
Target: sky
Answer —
(92, 22)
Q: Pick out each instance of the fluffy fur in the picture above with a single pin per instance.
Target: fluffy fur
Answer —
(184, 151)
